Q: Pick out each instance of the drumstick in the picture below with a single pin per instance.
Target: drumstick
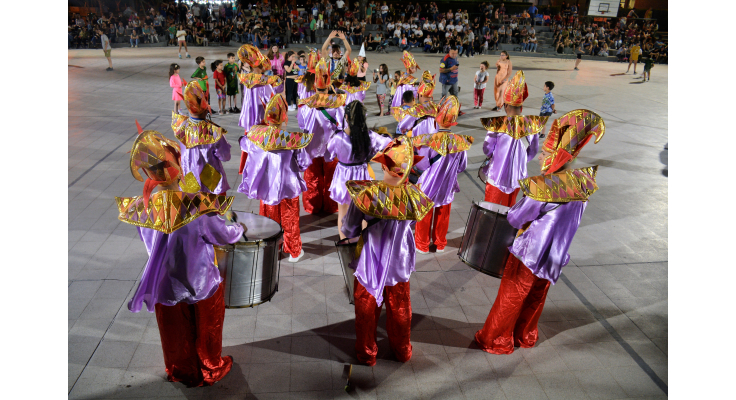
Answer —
(347, 370)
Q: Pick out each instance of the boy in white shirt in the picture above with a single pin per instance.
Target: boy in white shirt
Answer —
(105, 41)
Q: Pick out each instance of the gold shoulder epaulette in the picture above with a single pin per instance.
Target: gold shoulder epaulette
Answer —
(516, 126)
(561, 187)
(377, 199)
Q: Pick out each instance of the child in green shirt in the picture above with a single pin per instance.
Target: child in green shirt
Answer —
(231, 75)
(200, 74)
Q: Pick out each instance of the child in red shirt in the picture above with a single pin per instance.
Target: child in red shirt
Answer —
(219, 76)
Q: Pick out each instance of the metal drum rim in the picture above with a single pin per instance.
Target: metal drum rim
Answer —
(251, 243)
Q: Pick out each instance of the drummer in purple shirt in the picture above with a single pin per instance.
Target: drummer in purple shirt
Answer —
(547, 217)
(511, 142)
(353, 147)
(386, 260)
(257, 89)
(445, 156)
(180, 280)
(202, 144)
(272, 171)
(407, 81)
(418, 119)
(353, 87)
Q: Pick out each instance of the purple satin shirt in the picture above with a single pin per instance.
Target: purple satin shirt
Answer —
(254, 105)
(509, 157)
(320, 126)
(543, 246)
(396, 102)
(181, 266)
(340, 147)
(427, 125)
(360, 96)
(272, 176)
(388, 251)
(194, 159)
(303, 111)
(439, 180)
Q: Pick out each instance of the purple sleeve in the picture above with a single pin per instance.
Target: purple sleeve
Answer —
(526, 210)
(490, 143)
(352, 223)
(243, 141)
(463, 162)
(332, 145)
(427, 153)
(216, 231)
(303, 160)
(531, 152)
(378, 141)
(222, 149)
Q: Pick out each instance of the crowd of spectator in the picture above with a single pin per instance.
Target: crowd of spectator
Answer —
(408, 26)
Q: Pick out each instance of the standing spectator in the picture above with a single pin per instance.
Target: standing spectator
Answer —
(106, 48)
(548, 104)
(181, 36)
(382, 80)
(277, 65)
(481, 78)
(172, 35)
(448, 72)
(384, 12)
(503, 75)
(231, 75)
(634, 56)
(340, 8)
(291, 68)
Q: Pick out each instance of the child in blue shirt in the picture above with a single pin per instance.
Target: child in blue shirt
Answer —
(548, 104)
(302, 62)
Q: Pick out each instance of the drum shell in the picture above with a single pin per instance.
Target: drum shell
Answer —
(250, 270)
(346, 253)
(486, 240)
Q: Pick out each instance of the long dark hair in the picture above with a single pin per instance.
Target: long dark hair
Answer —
(309, 81)
(173, 68)
(359, 137)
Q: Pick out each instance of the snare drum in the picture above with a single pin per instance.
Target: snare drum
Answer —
(251, 268)
(346, 252)
(487, 238)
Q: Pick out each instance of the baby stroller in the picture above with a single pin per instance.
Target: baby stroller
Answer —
(383, 46)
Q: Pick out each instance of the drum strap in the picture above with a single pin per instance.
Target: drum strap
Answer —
(328, 116)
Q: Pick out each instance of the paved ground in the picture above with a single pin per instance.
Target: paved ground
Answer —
(603, 330)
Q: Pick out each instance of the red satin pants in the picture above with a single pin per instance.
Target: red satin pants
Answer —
(319, 178)
(286, 213)
(494, 195)
(243, 159)
(398, 322)
(515, 313)
(439, 228)
(191, 338)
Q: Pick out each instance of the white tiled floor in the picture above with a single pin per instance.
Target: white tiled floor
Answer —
(296, 345)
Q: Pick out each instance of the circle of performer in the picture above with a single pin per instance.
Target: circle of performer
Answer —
(203, 256)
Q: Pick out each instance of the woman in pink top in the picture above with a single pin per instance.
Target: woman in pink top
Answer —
(363, 67)
(176, 82)
(277, 65)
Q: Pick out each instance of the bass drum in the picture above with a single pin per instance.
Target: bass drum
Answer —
(487, 238)
(250, 268)
(346, 253)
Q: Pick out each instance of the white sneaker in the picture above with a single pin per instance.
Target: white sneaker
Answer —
(293, 260)
(422, 252)
(440, 251)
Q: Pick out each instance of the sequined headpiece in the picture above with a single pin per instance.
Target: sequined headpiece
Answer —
(312, 59)
(568, 135)
(322, 79)
(516, 91)
(194, 98)
(276, 111)
(426, 88)
(353, 67)
(409, 61)
(398, 157)
(448, 111)
(158, 158)
(250, 55)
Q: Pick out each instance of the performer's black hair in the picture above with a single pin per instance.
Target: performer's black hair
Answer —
(407, 97)
(359, 138)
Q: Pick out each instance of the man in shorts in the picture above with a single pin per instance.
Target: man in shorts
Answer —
(105, 42)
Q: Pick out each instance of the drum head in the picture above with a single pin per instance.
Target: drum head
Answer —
(497, 208)
(259, 227)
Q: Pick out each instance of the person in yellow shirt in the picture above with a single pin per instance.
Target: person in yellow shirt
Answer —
(634, 57)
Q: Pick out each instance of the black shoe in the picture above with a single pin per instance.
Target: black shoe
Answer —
(237, 110)
(230, 110)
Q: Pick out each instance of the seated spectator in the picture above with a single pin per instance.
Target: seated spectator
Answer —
(216, 34)
(403, 44)
(427, 44)
(604, 50)
(134, 39)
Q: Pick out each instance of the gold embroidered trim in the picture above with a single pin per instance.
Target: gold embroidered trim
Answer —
(195, 133)
(355, 89)
(271, 138)
(516, 126)
(321, 100)
(443, 142)
(416, 111)
(252, 80)
(377, 199)
(561, 187)
(169, 210)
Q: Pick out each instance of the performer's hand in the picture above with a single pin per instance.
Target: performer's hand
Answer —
(245, 228)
